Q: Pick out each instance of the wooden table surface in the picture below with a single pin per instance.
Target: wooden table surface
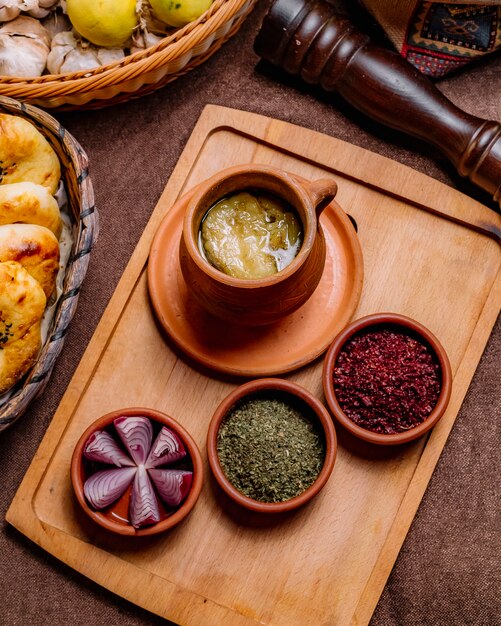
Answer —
(448, 569)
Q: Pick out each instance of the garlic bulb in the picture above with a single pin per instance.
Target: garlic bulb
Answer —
(69, 54)
(39, 8)
(56, 23)
(147, 20)
(24, 47)
(142, 39)
(109, 55)
(9, 9)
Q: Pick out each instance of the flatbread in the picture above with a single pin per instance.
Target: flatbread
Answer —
(25, 154)
(29, 203)
(35, 248)
(22, 305)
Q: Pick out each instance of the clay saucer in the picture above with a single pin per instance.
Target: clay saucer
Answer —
(238, 350)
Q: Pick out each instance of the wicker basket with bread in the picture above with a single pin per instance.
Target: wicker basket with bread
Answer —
(48, 224)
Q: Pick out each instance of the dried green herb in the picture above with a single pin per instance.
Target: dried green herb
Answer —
(270, 449)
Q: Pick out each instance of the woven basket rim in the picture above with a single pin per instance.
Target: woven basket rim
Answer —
(179, 41)
(87, 223)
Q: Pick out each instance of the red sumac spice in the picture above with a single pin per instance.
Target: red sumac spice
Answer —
(387, 380)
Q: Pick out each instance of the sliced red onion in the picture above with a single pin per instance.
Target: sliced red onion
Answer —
(143, 509)
(103, 488)
(136, 432)
(167, 448)
(101, 447)
(172, 485)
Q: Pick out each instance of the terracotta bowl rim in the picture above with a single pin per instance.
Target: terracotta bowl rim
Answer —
(249, 389)
(163, 525)
(203, 188)
(378, 319)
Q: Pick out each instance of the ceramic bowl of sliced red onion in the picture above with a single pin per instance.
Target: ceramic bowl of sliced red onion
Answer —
(387, 379)
(136, 472)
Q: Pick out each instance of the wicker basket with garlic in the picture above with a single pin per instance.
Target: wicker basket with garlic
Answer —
(85, 54)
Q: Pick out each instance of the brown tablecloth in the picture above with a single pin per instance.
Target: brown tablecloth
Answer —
(448, 571)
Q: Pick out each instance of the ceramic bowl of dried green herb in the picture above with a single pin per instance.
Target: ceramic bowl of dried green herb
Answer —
(271, 445)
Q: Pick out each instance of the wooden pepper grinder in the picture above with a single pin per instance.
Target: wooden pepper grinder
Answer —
(308, 38)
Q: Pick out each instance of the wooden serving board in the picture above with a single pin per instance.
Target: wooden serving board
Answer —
(429, 252)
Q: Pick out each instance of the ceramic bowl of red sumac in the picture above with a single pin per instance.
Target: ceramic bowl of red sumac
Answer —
(136, 472)
(387, 379)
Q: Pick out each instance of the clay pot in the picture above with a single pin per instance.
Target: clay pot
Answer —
(404, 324)
(260, 301)
(273, 387)
(114, 518)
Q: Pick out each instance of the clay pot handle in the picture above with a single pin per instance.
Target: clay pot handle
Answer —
(322, 192)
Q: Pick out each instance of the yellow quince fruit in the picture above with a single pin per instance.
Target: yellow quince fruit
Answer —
(107, 23)
(177, 13)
